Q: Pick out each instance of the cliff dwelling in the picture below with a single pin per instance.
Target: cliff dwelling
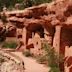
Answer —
(51, 22)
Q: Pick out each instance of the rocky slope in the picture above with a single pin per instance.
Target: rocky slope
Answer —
(8, 63)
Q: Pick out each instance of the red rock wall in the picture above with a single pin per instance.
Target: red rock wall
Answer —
(66, 39)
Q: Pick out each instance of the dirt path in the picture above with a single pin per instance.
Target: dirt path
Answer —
(31, 65)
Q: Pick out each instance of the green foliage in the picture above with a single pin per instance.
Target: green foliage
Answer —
(29, 3)
(42, 59)
(54, 69)
(10, 44)
(27, 53)
(52, 57)
(36, 2)
(9, 3)
(24, 3)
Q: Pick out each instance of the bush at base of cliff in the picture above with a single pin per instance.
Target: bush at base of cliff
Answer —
(42, 59)
(11, 44)
(27, 53)
(52, 57)
(54, 69)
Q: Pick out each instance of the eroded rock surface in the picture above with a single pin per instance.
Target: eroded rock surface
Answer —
(9, 64)
(53, 13)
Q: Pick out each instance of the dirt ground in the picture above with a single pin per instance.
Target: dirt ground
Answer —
(31, 65)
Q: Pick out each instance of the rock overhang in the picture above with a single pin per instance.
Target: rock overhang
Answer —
(49, 14)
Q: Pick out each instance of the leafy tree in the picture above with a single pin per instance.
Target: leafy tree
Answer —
(8, 3)
(29, 3)
(23, 3)
(41, 1)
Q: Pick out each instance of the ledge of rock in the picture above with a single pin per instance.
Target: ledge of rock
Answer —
(49, 14)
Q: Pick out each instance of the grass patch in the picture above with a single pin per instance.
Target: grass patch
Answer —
(10, 44)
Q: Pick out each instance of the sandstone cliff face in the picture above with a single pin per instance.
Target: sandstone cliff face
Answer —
(7, 29)
(54, 17)
(57, 12)
(48, 15)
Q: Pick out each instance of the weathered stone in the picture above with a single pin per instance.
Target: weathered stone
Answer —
(56, 41)
(9, 63)
(55, 16)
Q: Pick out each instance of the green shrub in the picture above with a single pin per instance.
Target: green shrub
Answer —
(36, 2)
(11, 44)
(42, 59)
(54, 69)
(26, 3)
(27, 53)
(52, 57)
(29, 3)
